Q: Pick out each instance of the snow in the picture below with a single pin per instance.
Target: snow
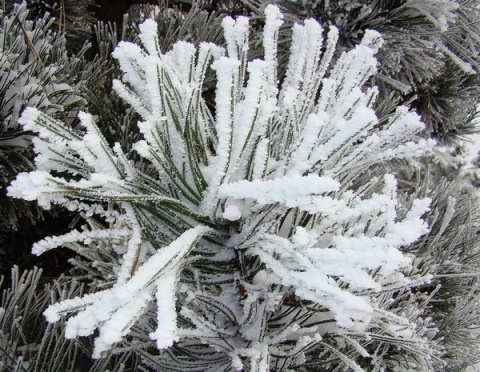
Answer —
(372, 39)
(149, 36)
(166, 332)
(232, 213)
(247, 110)
(261, 159)
(274, 178)
(300, 160)
(29, 117)
(32, 186)
(153, 68)
(115, 310)
(224, 68)
(260, 277)
(273, 21)
(132, 253)
(128, 55)
(76, 236)
(281, 189)
(472, 145)
(103, 159)
(119, 324)
(236, 35)
(465, 66)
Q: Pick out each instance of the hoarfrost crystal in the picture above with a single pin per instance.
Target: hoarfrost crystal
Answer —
(256, 209)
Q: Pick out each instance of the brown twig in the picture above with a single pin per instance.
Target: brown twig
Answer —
(135, 261)
(62, 22)
(31, 47)
(40, 64)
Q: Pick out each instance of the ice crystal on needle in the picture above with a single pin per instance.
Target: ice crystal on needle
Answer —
(252, 208)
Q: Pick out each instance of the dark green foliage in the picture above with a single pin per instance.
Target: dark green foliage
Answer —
(72, 18)
(34, 69)
(448, 103)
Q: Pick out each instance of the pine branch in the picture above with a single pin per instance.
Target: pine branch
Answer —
(246, 213)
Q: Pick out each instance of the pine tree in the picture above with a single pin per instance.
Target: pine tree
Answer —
(426, 323)
(447, 100)
(266, 234)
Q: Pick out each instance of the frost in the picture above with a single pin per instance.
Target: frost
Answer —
(270, 36)
(149, 36)
(260, 277)
(282, 189)
(275, 177)
(24, 80)
(167, 319)
(77, 236)
(232, 213)
(114, 310)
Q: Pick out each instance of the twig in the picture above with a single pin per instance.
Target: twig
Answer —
(135, 261)
(31, 47)
(40, 64)
(62, 22)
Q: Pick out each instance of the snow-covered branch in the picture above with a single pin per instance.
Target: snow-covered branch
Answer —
(269, 176)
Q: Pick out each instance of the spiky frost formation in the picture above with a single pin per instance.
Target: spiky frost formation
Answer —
(440, 82)
(248, 238)
(36, 70)
(33, 66)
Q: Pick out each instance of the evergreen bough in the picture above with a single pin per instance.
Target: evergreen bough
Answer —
(37, 69)
(34, 70)
(252, 237)
(430, 58)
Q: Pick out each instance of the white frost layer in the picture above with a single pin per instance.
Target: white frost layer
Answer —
(279, 190)
(166, 332)
(52, 242)
(272, 135)
(232, 213)
(114, 311)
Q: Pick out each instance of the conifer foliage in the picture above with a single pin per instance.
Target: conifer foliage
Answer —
(35, 70)
(430, 57)
(249, 236)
